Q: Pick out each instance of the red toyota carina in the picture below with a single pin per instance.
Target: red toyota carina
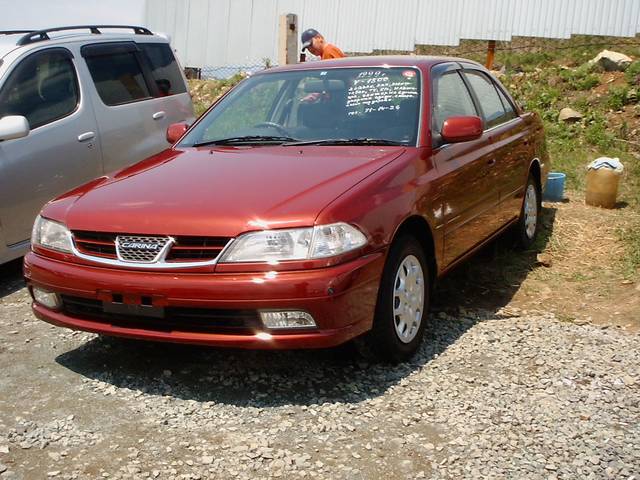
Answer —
(311, 205)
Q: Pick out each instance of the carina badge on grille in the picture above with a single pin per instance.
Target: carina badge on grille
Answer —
(140, 249)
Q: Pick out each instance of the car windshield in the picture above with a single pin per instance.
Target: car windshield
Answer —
(346, 105)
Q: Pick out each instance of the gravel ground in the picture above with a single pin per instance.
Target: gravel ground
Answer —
(508, 394)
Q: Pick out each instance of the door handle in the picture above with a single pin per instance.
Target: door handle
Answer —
(83, 137)
(158, 115)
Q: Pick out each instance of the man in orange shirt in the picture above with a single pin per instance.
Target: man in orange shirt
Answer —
(313, 41)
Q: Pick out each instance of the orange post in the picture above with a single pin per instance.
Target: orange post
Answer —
(491, 53)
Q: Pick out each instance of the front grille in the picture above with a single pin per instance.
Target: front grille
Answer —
(96, 244)
(140, 249)
(185, 249)
(182, 319)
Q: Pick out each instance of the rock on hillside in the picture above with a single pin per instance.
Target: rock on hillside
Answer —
(611, 61)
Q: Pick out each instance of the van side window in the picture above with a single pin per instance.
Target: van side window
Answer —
(118, 77)
(42, 88)
(164, 68)
(490, 103)
(451, 98)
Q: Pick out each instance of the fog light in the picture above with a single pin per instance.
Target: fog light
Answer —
(48, 299)
(287, 319)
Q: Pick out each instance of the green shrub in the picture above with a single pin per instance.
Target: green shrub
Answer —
(633, 72)
(525, 61)
(581, 78)
(617, 97)
(542, 100)
(631, 238)
(596, 132)
(588, 82)
(582, 104)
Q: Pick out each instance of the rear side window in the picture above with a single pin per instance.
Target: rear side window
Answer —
(164, 68)
(490, 103)
(118, 77)
(42, 88)
(451, 98)
(508, 108)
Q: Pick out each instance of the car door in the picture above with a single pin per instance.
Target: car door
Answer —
(60, 151)
(509, 136)
(468, 193)
(132, 109)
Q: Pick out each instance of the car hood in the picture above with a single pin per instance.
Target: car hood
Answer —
(220, 191)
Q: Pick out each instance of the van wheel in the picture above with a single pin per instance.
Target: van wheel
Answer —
(528, 224)
(402, 307)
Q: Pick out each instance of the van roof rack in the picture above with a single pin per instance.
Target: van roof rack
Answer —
(33, 36)
(14, 32)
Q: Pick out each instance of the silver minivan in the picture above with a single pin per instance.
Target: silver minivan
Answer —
(76, 103)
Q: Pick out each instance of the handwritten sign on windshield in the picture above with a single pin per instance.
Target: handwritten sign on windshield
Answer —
(375, 91)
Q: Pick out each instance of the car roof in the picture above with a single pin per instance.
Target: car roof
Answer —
(372, 61)
(9, 42)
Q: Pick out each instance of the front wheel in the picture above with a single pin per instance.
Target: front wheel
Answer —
(528, 224)
(402, 307)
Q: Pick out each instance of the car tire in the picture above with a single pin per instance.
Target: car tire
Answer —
(402, 307)
(529, 221)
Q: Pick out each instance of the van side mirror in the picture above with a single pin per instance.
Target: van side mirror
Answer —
(13, 126)
(461, 129)
(175, 131)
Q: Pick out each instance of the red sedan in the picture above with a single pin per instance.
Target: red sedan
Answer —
(311, 205)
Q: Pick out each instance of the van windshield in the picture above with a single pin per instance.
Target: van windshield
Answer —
(309, 106)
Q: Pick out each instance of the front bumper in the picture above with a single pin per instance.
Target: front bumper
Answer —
(340, 298)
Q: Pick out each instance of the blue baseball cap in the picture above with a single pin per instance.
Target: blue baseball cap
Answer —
(307, 37)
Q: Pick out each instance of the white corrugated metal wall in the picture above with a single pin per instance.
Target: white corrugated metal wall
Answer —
(243, 32)
(32, 14)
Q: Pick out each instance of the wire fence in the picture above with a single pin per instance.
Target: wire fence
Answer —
(223, 72)
(525, 44)
(506, 48)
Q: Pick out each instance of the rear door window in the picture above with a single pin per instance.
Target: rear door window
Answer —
(164, 69)
(43, 88)
(117, 74)
(508, 107)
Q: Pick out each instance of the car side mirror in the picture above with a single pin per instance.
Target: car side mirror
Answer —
(461, 129)
(175, 131)
(13, 126)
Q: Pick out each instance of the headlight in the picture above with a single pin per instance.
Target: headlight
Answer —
(49, 234)
(295, 244)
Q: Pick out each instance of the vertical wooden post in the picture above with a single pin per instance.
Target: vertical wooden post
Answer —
(288, 39)
(491, 53)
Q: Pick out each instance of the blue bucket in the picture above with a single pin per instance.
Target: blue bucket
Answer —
(554, 189)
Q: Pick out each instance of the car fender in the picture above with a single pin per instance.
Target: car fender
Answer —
(382, 202)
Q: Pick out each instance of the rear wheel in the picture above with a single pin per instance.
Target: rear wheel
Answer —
(402, 307)
(528, 224)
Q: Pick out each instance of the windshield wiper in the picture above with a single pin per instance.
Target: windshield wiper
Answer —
(247, 139)
(347, 141)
